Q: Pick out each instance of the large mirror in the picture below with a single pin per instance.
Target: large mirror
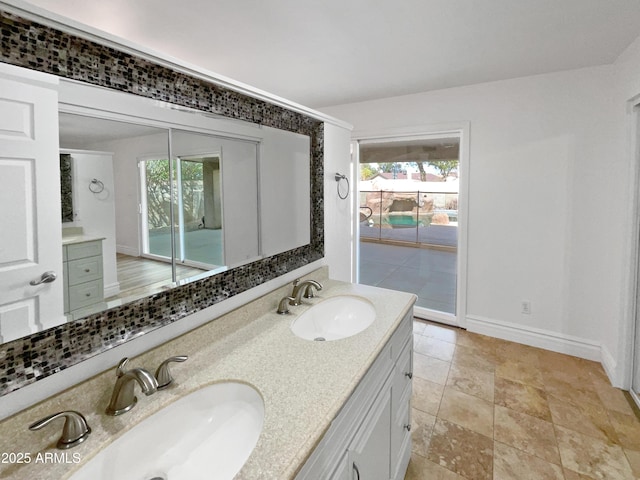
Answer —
(290, 224)
(158, 200)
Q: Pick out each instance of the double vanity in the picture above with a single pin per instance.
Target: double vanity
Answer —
(322, 392)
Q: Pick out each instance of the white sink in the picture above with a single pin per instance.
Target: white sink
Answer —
(209, 434)
(335, 318)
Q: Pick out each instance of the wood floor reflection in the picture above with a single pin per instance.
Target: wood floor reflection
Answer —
(140, 276)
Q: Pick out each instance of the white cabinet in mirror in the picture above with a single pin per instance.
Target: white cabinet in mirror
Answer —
(183, 195)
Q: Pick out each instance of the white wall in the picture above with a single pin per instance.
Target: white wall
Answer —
(284, 190)
(125, 155)
(95, 212)
(338, 236)
(549, 144)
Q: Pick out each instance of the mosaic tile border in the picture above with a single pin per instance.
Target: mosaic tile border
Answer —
(39, 47)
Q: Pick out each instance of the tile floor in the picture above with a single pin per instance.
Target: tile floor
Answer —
(488, 409)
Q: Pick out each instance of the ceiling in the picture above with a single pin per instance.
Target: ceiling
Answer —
(81, 132)
(322, 53)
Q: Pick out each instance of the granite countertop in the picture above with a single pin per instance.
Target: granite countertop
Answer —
(72, 239)
(304, 384)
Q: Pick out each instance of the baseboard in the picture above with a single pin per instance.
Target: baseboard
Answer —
(536, 337)
(127, 250)
(610, 367)
(111, 289)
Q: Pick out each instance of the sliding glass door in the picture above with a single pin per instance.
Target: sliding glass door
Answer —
(155, 206)
(408, 208)
(200, 230)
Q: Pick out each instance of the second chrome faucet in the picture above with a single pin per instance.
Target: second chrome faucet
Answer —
(123, 398)
(300, 289)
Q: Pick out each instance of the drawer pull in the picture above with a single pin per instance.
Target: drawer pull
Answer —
(87, 294)
(409, 375)
(87, 270)
(407, 427)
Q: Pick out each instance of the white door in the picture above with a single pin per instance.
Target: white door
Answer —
(31, 236)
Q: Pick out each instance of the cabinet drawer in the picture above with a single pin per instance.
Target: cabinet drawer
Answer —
(401, 335)
(83, 250)
(85, 294)
(400, 435)
(402, 374)
(84, 270)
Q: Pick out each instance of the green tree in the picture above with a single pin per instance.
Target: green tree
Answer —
(159, 190)
(367, 171)
(444, 167)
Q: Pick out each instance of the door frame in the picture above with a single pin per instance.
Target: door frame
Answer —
(622, 376)
(462, 131)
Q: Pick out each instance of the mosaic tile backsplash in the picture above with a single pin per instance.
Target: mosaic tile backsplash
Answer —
(39, 47)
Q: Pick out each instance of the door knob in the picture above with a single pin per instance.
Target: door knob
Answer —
(47, 277)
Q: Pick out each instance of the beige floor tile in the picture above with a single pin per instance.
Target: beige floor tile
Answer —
(467, 411)
(614, 399)
(577, 395)
(512, 464)
(421, 428)
(557, 360)
(522, 398)
(426, 395)
(517, 352)
(422, 469)
(471, 380)
(462, 451)
(521, 373)
(591, 456)
(524, 432)
(468, 357)
(571, 475)
(634, 460)
(434, 348)
(418, 327)
(430, 368)
(479, 343)
(446, 334)
(628, 429)
(587, 418)
(576, 376)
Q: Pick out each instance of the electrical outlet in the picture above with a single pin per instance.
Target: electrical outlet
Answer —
(526, 307)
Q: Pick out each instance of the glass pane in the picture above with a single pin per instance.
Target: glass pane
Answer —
(409, 219)
(158, 211)
(201, 207)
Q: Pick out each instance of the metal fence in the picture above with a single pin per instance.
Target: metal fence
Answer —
(417, 217)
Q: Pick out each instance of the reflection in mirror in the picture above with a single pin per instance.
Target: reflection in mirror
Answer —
(216, 200)
(137, 223)
(108, 151)
(154, 223)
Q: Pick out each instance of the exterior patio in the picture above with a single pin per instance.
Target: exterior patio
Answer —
(430, 273)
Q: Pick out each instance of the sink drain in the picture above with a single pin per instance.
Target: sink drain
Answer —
(319, 339)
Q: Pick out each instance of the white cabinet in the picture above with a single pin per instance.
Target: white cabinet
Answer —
(369, 451)
(370, 438)
(83, 277)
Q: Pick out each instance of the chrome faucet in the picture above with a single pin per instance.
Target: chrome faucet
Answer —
(123, 398)
(303, 288)
(163, 375)
(74, 431)
(283, 305)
